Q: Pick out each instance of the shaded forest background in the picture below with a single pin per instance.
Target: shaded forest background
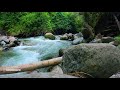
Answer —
(26, 24)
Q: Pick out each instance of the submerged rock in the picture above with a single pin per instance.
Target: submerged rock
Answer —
(97, 59)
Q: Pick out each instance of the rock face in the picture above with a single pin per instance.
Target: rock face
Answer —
(50, 36)
(97, 59)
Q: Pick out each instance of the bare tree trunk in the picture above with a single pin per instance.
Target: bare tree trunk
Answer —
(29, 67)
(117, 21)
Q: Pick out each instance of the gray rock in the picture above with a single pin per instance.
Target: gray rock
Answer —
(77, 41)
(70, 36)
(117, 75)
(78, 35)
(2, 43)
(96, 41)
(64, 37)
(97, 59)
(4, 38)
(57, 69)
(12, 39)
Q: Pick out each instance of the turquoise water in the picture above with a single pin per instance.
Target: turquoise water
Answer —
(32, 50)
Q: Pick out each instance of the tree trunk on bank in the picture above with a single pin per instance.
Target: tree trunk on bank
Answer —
(29, 67)
(117, 21)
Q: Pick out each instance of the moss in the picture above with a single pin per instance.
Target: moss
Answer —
(99, 60)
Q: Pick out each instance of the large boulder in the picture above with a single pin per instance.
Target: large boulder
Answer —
(97, 59)
(50, 36)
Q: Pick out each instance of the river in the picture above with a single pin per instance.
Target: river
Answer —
(32, 50)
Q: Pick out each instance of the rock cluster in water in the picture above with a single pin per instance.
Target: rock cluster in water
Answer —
(8, 41)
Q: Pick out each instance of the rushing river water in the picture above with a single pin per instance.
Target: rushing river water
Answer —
(34, 49)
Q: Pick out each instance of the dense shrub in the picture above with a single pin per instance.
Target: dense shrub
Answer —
(37, 23)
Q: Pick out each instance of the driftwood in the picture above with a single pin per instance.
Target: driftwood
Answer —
(29, 67)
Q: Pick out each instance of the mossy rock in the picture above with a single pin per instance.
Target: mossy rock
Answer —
(100, 60)
(50, 36)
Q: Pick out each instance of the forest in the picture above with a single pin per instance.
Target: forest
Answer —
(59, 44)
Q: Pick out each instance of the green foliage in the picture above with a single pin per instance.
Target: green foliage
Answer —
(35, 23)
(117, 38)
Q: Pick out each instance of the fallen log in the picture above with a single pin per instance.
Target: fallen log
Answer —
(30, 67)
